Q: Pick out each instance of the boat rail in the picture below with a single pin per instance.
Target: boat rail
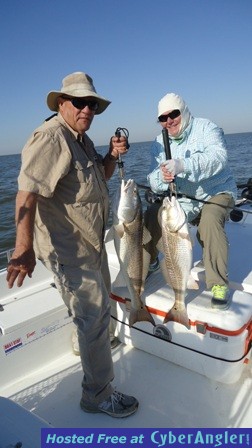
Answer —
(5, 257)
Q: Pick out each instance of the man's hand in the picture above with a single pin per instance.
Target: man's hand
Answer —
(23, 259)
(20, 265)
(118, 145)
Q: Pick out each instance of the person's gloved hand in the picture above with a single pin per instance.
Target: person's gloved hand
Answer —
(174, 166)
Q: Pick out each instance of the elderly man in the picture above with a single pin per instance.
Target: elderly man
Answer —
(61, 214)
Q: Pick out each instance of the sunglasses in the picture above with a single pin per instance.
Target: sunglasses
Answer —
(81, 103)
(172, 115)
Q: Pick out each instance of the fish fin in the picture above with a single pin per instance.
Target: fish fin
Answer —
(191, 283)
(178, 315)
(119, 228)
(190, 242)
(145, 270)
(146, 235)
(119, 280)
(109, 235)
(141, 315)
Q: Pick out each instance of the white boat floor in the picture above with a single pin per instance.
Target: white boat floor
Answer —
(170, 396)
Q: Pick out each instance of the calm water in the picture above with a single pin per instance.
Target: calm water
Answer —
(136, 165)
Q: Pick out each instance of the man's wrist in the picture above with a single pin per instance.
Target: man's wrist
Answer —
(111, 157)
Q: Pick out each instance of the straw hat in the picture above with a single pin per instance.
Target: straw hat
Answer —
(79, 85)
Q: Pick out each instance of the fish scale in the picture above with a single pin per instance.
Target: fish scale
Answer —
(129, 237)
(177, 249)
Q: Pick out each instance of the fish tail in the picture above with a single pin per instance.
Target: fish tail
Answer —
(141, 315)
(178, 315)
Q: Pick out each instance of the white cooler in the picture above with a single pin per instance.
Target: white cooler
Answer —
(217, 345)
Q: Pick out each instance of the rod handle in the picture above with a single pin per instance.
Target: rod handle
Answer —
(166, 144)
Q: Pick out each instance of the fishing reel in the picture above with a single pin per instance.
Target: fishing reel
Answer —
(237, 215)
(247, 192)
(155, 198)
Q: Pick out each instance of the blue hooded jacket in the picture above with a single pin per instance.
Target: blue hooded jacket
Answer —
(202, 148)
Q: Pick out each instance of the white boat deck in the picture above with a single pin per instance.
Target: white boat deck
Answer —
(170, 396)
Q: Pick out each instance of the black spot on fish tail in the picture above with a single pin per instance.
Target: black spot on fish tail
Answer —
(141, 315)
(178, 315)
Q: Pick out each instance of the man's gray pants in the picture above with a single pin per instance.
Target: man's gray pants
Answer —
(86, 297)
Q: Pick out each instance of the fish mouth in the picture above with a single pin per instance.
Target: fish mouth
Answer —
(127, 185)
(170, 200)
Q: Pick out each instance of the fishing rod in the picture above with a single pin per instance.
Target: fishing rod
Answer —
(118, 134)
(167, 148)
(246, 194)
(236, 211)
